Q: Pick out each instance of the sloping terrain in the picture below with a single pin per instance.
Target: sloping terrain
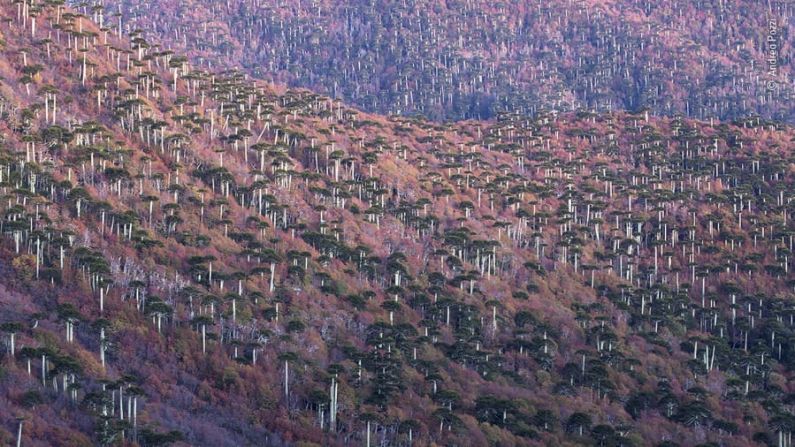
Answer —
(193, 257)
(474, 58)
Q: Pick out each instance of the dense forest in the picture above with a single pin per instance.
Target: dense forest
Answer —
(189, 256)
(458, 59)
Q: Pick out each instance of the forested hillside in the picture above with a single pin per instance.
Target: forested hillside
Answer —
(474, 58)
(192, 257)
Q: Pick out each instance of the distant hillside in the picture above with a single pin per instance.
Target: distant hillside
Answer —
(191, 257)
(472, 59)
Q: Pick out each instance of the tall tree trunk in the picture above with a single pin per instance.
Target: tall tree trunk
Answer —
(287, 383)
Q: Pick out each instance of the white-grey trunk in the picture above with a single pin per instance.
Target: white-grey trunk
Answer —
(286, 382)
(273, 273)
(368, 433)
(102, 346)
(204, 339)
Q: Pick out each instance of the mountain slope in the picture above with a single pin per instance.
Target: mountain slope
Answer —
(472, 59)
(194, 257)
